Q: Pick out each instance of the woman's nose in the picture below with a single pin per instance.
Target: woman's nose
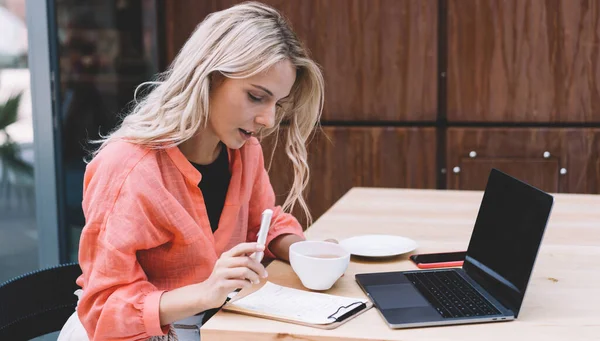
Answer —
(266, 118)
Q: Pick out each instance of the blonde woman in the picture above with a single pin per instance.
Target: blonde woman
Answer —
(174, 196)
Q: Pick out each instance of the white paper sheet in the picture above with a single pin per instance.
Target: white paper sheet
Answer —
(294, 304)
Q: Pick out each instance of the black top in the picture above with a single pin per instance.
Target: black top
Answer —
(214, 184)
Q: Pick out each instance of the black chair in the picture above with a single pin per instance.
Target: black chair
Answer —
(38, 303)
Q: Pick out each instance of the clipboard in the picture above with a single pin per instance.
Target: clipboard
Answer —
(301, 307)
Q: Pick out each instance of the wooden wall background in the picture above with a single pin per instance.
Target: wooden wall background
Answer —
(524, 61)
(433, 93)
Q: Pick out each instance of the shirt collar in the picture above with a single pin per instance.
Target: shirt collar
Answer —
(184, 166)
(189, 171)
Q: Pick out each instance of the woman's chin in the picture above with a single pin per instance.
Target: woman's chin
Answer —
(235, 144)
(237, 141)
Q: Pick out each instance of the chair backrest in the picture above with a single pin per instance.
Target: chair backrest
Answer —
(38, 302)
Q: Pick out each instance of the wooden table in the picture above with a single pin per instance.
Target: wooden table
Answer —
(562, 301)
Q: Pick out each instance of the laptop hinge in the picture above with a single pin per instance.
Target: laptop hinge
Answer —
(499, 287)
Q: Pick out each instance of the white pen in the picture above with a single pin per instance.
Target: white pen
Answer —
(265, 223)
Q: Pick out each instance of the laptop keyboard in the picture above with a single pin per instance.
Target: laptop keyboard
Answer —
(451, 295)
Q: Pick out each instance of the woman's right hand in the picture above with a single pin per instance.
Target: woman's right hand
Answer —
(235, 269)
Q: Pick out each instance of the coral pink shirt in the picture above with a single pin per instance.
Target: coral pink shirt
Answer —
(147, 231)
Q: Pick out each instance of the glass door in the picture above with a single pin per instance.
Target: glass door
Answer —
(103, 50)
(19, 252)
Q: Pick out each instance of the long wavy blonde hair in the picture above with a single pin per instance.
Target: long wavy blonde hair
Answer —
(238, 42)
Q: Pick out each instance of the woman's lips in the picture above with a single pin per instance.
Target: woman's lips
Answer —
(245, 134)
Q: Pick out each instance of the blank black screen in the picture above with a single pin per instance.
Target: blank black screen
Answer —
(506, 237)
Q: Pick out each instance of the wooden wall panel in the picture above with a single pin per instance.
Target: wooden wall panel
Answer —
(509, 61)
(521, 153)
(537, 172)
(379, 57)
(524, 61)
(344, 157)
(180, 19)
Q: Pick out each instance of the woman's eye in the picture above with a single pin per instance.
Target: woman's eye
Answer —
(254, 98)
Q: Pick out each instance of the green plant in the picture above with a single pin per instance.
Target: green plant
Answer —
(13, 167)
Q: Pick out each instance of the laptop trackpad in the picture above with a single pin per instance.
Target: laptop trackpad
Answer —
(394, 296)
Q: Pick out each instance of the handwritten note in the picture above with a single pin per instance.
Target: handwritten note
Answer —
(294, 304)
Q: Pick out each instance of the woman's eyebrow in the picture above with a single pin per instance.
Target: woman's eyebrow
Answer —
(268, 91)
(263, 89)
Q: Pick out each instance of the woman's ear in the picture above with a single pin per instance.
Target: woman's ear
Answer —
(215, 79)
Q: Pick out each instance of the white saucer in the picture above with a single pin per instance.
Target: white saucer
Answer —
(378, 245)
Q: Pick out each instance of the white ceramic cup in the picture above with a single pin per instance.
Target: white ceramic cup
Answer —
(318, 264)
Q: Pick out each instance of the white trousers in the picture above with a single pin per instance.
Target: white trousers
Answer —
(184, 330)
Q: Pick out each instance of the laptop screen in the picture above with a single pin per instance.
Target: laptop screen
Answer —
(506, 237)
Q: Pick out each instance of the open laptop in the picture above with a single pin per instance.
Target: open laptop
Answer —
(491, 283)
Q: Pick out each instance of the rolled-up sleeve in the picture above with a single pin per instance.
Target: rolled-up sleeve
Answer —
(263, 197)
(118, 301)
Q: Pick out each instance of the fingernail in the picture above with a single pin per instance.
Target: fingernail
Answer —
(260, 247)
(256, 282)
(265, 274)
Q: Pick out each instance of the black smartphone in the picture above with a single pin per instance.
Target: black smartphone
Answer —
(439, 260)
